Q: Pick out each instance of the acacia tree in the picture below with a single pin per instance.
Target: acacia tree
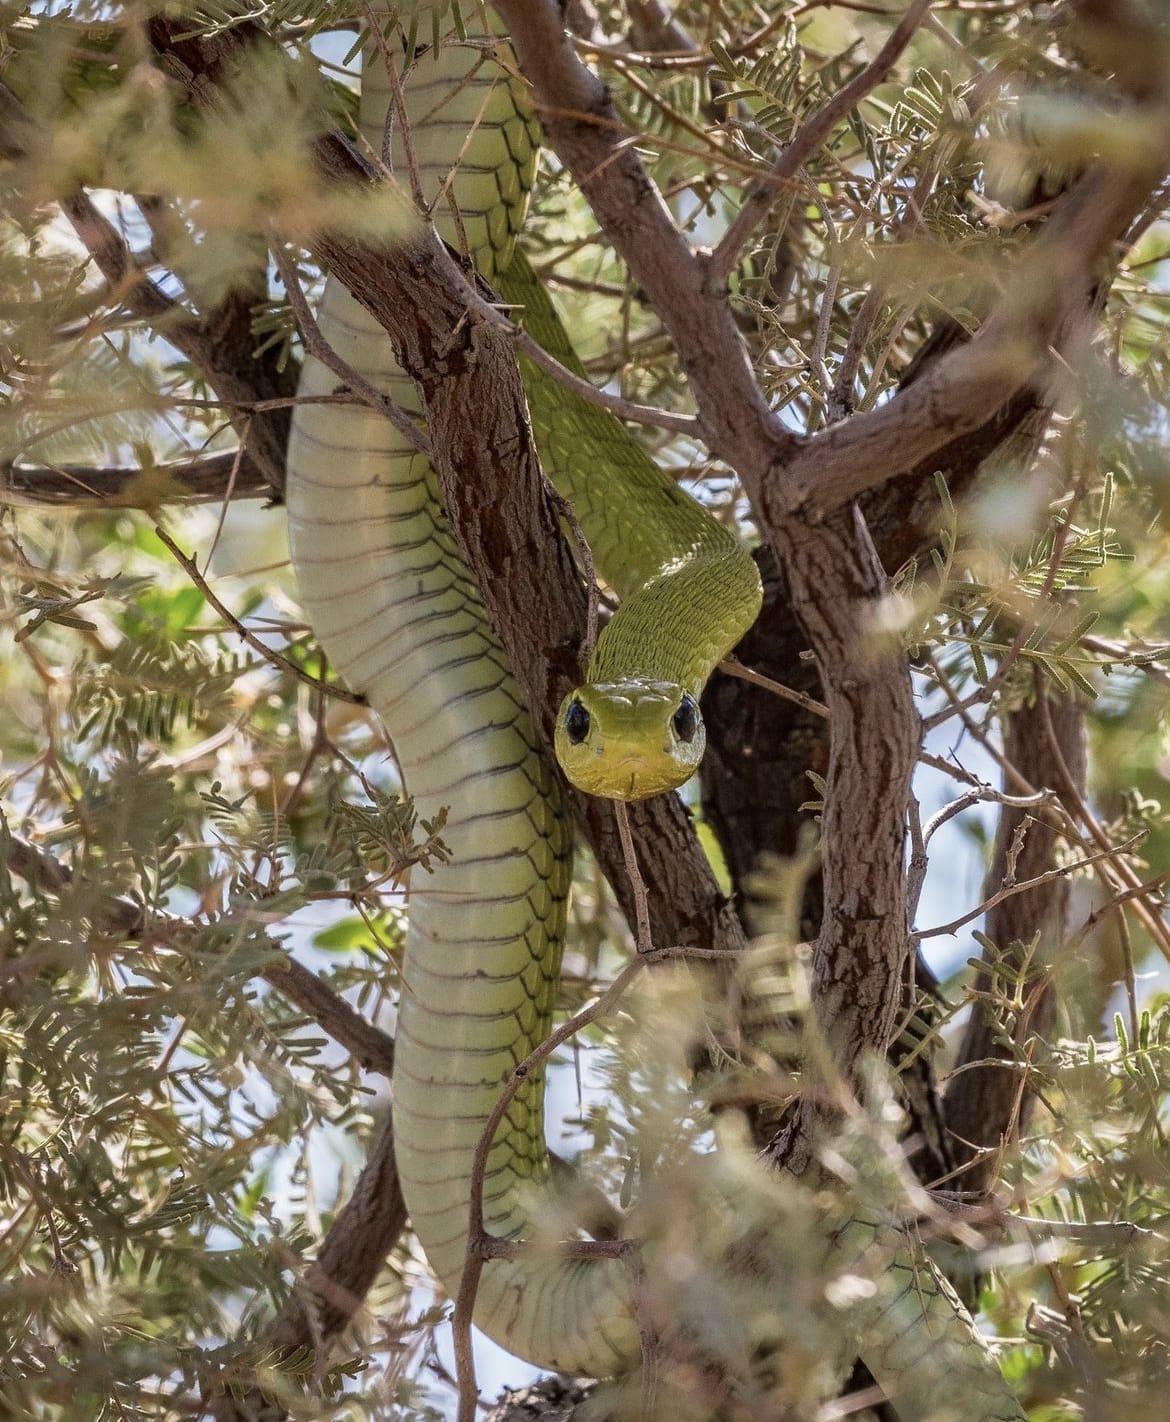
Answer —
(887, 289)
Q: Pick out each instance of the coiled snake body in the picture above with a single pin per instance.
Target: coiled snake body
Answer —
(400, 617)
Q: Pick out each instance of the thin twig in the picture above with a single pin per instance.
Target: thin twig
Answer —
(1152, 921)
(317, 346)
(191, 568)
(629, 410)
(398, 112)
(678, 58)
(233, 475)
(1112, 1234)
(368, 1045)
(982, 695)
(316, 746)
(917, 865)
(982, 795)
(956, 772)
(841, 397)
(1110, 863)
(1133, 655)
(637, 884)
(1008, 891)
(618, 405)
(732, 667)
(805, 142)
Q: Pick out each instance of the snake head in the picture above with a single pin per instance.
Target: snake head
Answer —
(628, 740)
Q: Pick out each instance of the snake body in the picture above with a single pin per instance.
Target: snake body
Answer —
(401, 618)
(397, 611)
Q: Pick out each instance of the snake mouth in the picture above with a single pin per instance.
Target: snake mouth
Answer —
(632, 777)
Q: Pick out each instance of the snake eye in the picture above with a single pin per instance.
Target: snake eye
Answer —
(576, 722)
(686, 719)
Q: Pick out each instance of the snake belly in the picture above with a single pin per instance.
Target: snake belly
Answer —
(400, 617)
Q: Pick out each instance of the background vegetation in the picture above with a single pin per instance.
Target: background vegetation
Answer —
(203, 836)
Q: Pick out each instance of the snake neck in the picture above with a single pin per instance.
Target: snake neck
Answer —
(689, 589)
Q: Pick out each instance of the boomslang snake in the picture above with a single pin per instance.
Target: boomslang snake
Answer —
(400, 617)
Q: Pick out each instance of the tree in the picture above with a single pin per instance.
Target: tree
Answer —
(892, 286)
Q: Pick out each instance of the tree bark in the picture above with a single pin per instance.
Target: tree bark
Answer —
(989, 1101)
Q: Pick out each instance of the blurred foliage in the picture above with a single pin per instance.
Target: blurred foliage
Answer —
(175, 1138)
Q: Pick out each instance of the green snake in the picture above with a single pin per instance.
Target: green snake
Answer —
(399, 615)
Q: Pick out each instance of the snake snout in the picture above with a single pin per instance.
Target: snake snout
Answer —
(629, 740)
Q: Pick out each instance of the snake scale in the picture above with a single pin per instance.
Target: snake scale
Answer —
(399, 615)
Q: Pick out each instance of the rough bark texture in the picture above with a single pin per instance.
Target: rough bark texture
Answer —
(795, 484)
(988, 1105)
(859, 959)
(782, 472)
(501, 509)
(508, 530)
(761, 747)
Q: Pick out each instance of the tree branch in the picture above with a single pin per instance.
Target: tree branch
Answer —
(122, 918)
(965, 388)
(282, 664)
(505, 519)
(350, 1258)
(987, 1106)
(211, 342)
(834, 577)
(795, 483)
(203, 480)
(784, 473)
(356, 1247)
(501, 509)
(584, 129)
